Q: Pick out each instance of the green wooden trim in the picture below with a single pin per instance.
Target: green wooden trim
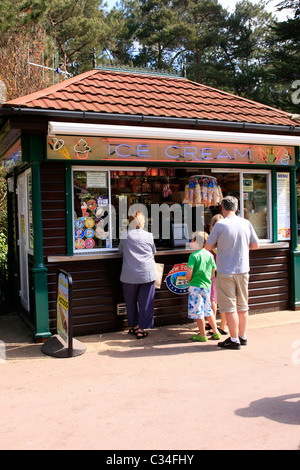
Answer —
(34, 151)
(295, 253)
(294, 227)
(297, 156)
(16, 301)
(12, 262)
(295, 275)
(174, 164)
(36, 215)
(39, 270)
(33, 148)
(69, 206)
(274, 205)
(41, 303)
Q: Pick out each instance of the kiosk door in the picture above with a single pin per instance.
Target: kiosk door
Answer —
(23, 241)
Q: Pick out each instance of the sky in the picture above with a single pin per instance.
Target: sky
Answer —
(229, 5)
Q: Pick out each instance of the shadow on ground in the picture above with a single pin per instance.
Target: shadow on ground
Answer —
(284, 409)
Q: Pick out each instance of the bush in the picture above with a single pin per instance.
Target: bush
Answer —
(3, 246)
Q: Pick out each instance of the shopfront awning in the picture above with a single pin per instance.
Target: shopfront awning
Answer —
(71, 128)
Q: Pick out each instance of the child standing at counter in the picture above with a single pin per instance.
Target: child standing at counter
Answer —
(213, 291)
(200, 269)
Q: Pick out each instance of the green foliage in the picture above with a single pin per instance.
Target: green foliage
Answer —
(202, 26)
(284, 58)
(242, 53)
(245, 51)
(3, 247)
(76, 27)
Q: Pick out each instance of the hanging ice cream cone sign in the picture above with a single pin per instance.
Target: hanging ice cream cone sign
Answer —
(82, 149)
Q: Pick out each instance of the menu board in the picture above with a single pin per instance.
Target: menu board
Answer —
(96, 179)
(283, 207)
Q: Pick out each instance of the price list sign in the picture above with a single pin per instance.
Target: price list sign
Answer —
(283, 206)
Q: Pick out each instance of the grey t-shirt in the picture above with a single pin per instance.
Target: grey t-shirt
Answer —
(138, 250)
(232, 236)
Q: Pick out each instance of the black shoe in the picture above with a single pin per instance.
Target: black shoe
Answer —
(223, 332)
(243, 341)
(228, 344)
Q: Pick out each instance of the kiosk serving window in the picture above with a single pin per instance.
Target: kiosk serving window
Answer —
(253, 190)
(104, 198)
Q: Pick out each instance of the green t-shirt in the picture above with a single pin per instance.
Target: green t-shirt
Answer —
(202, 262)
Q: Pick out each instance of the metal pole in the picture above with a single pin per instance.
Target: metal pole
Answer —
(28, 63)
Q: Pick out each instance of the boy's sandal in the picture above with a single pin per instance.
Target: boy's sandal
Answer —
(141, 334)
(201, 339)
(133, 331)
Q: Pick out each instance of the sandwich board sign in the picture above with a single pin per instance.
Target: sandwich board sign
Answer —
(64, 309)
(63, 344)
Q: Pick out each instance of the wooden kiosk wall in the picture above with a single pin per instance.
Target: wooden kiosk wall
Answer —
(96, 286)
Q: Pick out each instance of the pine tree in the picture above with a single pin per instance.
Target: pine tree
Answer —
(284, 58)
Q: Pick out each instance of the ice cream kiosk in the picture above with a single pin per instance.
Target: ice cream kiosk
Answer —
(82, 153)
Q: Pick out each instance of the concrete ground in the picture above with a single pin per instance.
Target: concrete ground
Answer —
(160, 393)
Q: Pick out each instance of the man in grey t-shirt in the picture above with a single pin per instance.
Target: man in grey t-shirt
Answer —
(233, 237)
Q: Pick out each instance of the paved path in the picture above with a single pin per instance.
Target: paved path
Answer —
(163, 392)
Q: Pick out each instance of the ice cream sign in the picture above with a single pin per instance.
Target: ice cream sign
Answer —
(81, 148)
(152, 150)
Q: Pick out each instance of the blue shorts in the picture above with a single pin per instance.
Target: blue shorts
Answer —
(199, 303)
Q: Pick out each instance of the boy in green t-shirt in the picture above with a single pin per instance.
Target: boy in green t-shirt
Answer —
(200, 269)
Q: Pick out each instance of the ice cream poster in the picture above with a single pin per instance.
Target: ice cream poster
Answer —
(63, 306)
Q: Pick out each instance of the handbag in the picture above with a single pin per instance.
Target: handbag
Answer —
(159, 275)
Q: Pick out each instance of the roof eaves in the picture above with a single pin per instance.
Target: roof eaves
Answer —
(140, 119)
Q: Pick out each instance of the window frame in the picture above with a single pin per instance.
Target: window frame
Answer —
(108, 169)
(241, 173)
(90, 251)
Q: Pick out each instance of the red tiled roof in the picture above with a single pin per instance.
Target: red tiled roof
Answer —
(133, 93)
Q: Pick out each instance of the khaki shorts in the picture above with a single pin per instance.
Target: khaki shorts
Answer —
(232, 292)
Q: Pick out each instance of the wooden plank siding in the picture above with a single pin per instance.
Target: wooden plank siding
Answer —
(96, 286)
(96, 293)
(269, 286)
(53, 198)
